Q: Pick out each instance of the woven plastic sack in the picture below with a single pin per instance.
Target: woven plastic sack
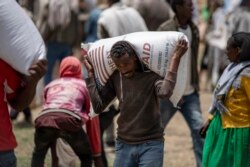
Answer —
(154, 49)
(20, 44)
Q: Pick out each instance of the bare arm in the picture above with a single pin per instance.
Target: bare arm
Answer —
(165, 87)
(26, 95)
(205, 126)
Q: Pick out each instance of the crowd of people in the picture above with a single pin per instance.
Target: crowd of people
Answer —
(143, 108)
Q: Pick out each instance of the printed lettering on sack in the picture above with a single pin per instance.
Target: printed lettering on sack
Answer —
(146, 53)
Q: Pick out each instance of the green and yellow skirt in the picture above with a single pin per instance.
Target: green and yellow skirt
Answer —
(228, 147)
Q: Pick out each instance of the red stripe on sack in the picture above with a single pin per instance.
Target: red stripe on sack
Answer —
(101, 65)
(94, 63)
(101, 79)
(90, 58)
(106, 74)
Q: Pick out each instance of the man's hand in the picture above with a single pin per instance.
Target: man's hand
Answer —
(204, 128)
(180, 49)
(87, 64)
(26, 94)
(37, 71)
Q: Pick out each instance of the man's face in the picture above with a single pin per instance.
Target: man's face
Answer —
(186, 9)
(126, 65)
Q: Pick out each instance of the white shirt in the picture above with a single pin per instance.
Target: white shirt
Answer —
(189, 88)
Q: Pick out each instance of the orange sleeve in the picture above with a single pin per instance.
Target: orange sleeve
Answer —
(93, 131)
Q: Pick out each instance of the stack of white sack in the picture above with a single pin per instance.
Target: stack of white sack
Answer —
(154, 49)
(20, 42)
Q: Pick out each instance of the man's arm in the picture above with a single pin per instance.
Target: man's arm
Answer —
(165, 87)
(100, 98)
(26, 94)
(93, 131)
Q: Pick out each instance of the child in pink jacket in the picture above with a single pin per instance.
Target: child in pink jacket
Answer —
(65, 110)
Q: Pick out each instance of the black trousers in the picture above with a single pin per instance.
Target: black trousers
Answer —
(45, 137)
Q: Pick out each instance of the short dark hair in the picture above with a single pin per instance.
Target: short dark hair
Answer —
(174, 3)
(120, 48)
(242, 40)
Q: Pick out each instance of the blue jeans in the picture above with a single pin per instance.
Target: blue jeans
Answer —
(190, 109)
(7, 159)
(56, 52)
(148, 154)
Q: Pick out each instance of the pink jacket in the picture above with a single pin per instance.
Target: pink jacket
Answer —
(68, 93)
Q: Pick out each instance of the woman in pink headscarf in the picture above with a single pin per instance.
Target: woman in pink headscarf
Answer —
(65, 110)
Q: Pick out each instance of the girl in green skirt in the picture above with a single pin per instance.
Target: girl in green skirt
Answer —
(227, 142)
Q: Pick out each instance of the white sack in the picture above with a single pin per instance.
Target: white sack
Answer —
(153, 48)
(66, 155)
(20, 44)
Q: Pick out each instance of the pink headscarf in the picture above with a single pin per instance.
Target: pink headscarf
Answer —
(70, 67)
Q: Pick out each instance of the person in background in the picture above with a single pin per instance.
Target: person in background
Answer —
(227, 130)
(90, 27)
(65, 111)
(195, 11)
(140, 140)
(211, 59)
(18, 92)
(239, 19)
(58, 25)
(189, 106)
(124, 20)
(154, 12)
